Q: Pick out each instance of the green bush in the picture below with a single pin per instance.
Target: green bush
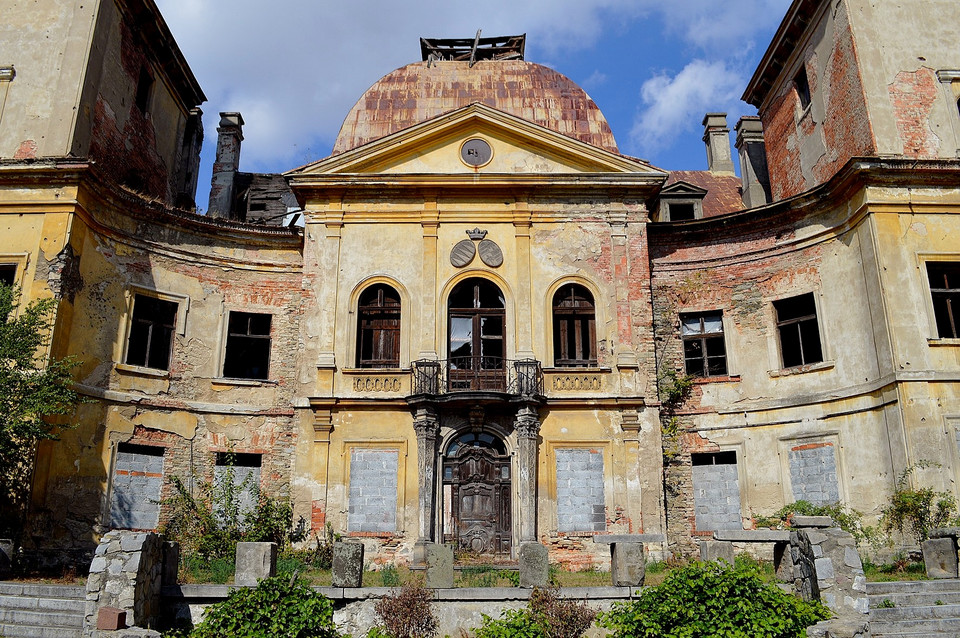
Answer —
(847, 519)
(713, 600)
(546, 616)
(277, 607)
(917, 510)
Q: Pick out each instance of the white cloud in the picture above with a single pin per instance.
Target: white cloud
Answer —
(674, 104)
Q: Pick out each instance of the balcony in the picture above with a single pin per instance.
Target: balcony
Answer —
(522, 377)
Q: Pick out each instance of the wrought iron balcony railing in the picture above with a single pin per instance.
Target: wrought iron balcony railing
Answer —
(477, 374)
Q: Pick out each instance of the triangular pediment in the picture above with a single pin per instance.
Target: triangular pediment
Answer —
(507, 145)
(682, 189)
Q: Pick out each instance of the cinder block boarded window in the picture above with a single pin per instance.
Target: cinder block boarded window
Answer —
(716, 491)
(373, 490)
(580, 499)
(798, 330)
(151, 332)
(813, 473)
(247, 354)
(243, 470)
(137, 481)
(944, 278)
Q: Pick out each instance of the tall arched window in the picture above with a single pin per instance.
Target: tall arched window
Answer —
(378, 328)
(574, 327)
(476, 318)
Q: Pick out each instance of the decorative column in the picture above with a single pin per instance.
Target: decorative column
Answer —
(427, 426)
(527, 426)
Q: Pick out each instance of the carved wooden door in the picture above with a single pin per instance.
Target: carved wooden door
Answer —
(480, 495)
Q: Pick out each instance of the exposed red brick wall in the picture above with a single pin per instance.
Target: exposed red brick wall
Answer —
(913, 95)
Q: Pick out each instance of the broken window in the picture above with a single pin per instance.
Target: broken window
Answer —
(704, 351)
(151, 332)
(716, 491)
(803, 87)
(944, 278)
(137, 481)
(242, 472)
(247, 355)
(682, 211)
(378, 328)
(144, 88)
(8, 274)
(574, 327)
(798, 330)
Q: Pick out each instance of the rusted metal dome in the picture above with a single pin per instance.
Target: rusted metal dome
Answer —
(421, 91)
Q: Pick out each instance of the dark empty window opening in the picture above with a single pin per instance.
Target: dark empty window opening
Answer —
(247, 355)
(944, 278)
(378, 328)
(239, 459)
(8, 274)
(798, 330)
(714, 458)
(151, 332)
(803, 87)
(682, 211)
(144, 89)
(704, 351)
(574, 327)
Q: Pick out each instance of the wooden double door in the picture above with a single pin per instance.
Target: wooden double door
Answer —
(477, 487)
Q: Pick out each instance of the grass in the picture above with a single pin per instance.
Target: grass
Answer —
(899, 569)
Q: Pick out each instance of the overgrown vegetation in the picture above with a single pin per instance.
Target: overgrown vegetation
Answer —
(33, 392)
(278, 606)
(848, 519)
(917, 510)
(711, 599)
(673, 389)
(547, 615)
(406, 614)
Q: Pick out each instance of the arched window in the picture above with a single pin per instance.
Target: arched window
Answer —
(378, 328)
(574, 327)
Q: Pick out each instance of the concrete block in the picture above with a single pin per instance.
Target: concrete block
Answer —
(347, 568)
(171, 563)
(534, 565)
(715, 551)
(255, 561)
(439, 572)
(811, 521)
(628, 564)
(940, 557)
(111, 619)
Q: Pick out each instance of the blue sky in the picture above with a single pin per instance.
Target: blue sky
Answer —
(294, 68)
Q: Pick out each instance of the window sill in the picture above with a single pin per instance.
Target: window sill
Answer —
(243, 382)
(810, 367)
(141, 370)
(719, 378)
(576, 369)
(936, 341)
(375, 370)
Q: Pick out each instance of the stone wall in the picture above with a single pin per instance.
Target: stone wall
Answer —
(126, 574)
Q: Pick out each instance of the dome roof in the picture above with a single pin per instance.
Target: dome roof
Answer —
(418, 92)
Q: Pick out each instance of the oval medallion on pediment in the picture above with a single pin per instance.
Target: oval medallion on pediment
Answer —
(490, 253)
(462, 254)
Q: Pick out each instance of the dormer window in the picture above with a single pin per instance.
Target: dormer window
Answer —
(681, 201)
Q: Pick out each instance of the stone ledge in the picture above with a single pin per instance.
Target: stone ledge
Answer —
(945, 532)
(629, 538)
(752, 535)
(211, 592)
(812, 521)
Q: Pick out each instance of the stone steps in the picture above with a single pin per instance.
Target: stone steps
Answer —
(41, 611)
(928, 608)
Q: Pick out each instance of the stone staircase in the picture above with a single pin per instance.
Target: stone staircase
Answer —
(927, 608)
(41, 611)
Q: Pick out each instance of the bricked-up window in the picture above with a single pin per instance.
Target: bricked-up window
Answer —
(8, 274)
(704, 351)
(244, 472)
(574, 327)
(581, 506)
(944, 278)
(247, 355)
(803, 87)
(378, 328)
(372, 499)
(137, 481)
(151, 332)
(798, 330)
(716, 491)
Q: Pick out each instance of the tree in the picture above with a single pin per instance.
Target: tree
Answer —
(33, 391)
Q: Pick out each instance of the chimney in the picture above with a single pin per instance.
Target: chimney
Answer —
(716, 135)
(229, 136)
(753, 162)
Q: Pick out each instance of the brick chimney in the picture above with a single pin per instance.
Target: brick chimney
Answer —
(716, 136)
(229, 137)
(753, 162)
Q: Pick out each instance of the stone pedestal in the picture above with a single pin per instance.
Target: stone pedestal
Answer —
(125, 574)
(347, 568)
(716, 551)
(439, 560)
(255, 561)
(628, 565)
(534, 565)
(940, 557)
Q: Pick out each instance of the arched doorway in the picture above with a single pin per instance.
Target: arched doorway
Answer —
(476, 494)
(476, 317)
